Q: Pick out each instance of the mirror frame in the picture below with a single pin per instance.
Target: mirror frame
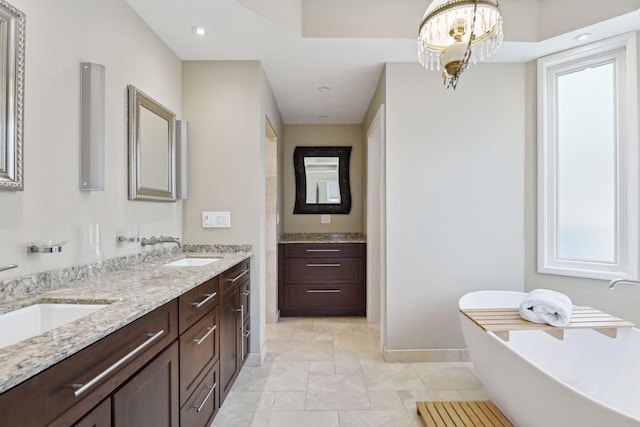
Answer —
(137, 191)
(12, 35)
(301, 205)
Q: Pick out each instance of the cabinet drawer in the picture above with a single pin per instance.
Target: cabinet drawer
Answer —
(234, 278)
(198, 301)
(203, 404)
(52, 391)
(199, 349)
(323, 250)
(325, 270)
(323, 299)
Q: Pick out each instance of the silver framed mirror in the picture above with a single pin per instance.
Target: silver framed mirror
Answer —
(152, 149)
(12, 55)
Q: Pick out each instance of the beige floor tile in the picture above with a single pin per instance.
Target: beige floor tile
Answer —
(288, 376)
(446, 376)
(240, 407)
(347, 362)
(322, 368)
(289, 400)
(304, 419)
(300, 350)
(385, 399)
(337, 392)
(390, 376)
(364, 341)
(375, 419)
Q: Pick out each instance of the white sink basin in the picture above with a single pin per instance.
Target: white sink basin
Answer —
(191, 262)
(27, 322)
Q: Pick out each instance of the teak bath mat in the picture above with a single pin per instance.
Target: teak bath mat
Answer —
(477, 413)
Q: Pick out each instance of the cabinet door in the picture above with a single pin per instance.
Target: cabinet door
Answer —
(229, 342)
(100, 416)
(150, 398)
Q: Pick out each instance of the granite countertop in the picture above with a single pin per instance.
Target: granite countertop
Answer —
(323, 238)
(131, 293)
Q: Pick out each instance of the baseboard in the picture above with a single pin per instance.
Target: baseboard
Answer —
(257, 359)
(426, 355)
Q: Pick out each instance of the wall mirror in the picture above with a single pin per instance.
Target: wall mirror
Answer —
(12, 39)
(322, 180)
(152, 139)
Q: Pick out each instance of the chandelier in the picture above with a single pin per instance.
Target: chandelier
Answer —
(454, 33)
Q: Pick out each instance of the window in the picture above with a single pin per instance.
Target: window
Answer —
(588, 161)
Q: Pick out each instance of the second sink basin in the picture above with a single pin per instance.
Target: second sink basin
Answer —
(27, 322)
(191, 262)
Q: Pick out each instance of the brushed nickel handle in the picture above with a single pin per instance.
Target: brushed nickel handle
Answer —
(210, 330)
(246, 293)
(208, 298)
(323, 250)
(323, 291)
(237, 277)
(211, 388)
(81, 388)
(324, 265)
(247, 334)
(241, 332)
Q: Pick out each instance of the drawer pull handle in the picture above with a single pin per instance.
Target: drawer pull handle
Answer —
(247, 334)
(246, 293)
(323, 291)
(323, 250)
(208, 298)
(81, 388)
(324, 265)
(237, 277)
(210, 330)
(211, 388)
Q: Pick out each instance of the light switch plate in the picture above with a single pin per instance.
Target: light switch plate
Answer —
(216, 219)
(325, 219)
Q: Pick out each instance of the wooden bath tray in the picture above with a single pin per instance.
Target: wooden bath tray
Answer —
(477, 413)
(502, 320)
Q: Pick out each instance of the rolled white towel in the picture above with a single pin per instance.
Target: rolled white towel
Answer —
(546, 306)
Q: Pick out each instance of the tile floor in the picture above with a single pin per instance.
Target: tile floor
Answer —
(328, 372)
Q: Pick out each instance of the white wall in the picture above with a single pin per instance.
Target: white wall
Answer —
(455, 208)
(226, 104)
(61, 35)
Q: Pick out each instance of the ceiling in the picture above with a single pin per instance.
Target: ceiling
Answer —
(304, 45)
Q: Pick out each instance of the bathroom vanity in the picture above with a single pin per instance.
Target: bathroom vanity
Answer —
(322, 275)
(172, 366)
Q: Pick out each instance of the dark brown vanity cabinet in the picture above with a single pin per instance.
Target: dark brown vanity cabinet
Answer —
(235, 288)
(321, 279)
(163, 369)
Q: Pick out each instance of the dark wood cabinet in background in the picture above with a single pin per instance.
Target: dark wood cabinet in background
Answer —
(321, 279)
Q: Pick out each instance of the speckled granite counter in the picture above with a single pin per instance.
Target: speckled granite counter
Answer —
(323, 238)
(130, 293)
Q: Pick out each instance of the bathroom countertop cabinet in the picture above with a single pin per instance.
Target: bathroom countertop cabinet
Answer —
(162, 369)
(321, 279)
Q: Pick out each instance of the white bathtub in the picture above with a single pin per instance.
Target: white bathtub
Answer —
(587, 379)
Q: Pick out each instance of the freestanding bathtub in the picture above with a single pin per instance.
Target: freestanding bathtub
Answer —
(585, 380)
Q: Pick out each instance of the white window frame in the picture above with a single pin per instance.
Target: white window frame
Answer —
(623, 50)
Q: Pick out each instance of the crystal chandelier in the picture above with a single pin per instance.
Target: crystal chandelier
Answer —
(454, 33)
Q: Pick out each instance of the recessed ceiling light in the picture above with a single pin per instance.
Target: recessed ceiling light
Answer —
(323, 117)
(199, 31)
(324, 88)
(582, 37)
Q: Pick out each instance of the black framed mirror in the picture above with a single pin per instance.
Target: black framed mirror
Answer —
(322, 180)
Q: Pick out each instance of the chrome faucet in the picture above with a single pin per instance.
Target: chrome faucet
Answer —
(8, 267)
(160, 239)
(614, 282)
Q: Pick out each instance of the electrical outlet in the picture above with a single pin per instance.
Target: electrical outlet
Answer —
(325, 219)
(216, 219)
